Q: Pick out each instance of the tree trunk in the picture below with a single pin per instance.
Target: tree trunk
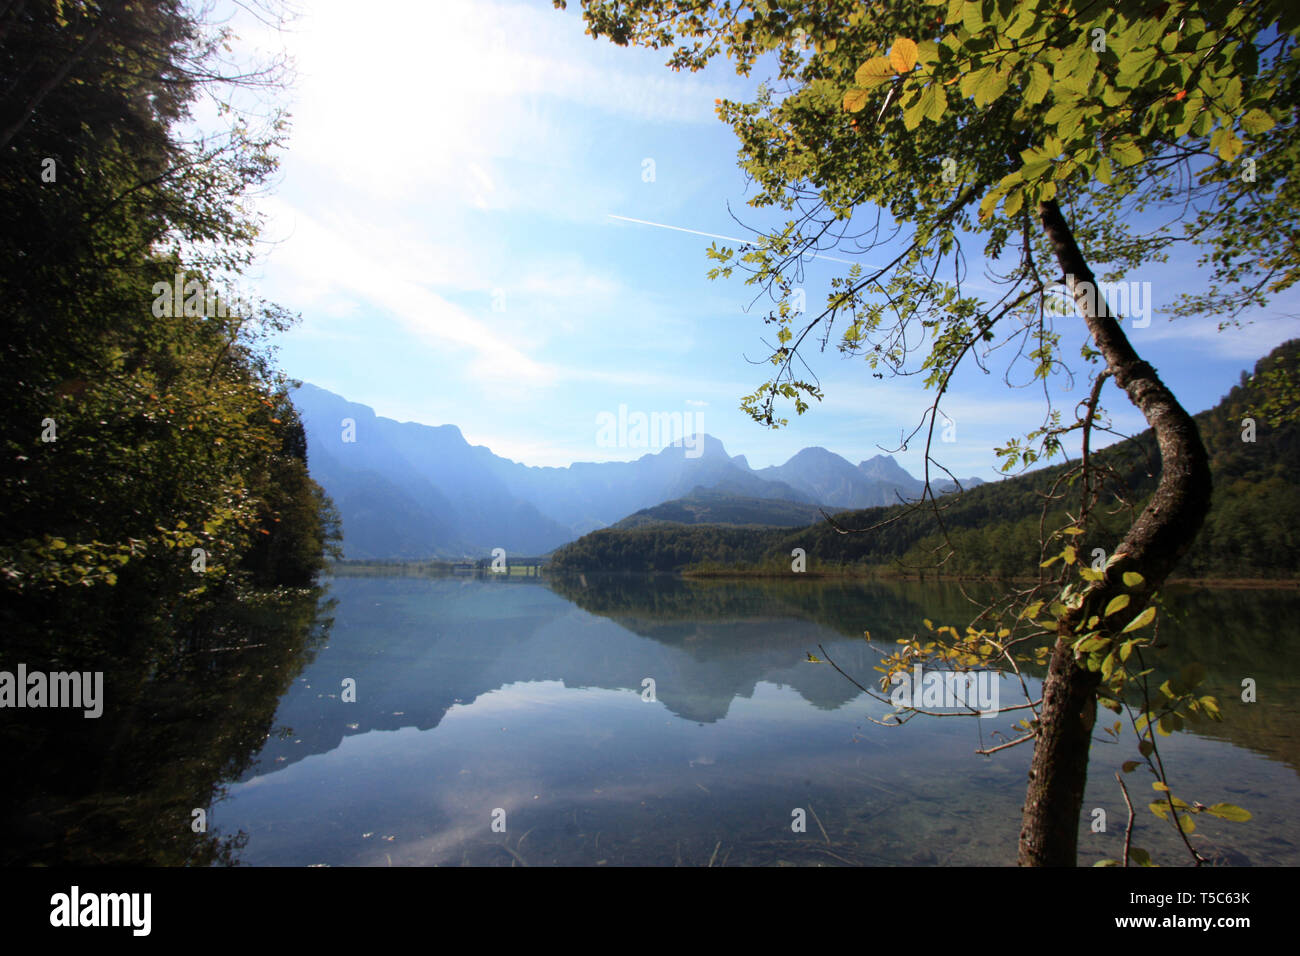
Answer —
(1155, 543)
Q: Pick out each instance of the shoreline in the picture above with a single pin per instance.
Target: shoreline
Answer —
(432, 569)
(1285, 584)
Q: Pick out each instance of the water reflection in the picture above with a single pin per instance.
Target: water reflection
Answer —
(477, 696)
(525, 703)
(183, 719)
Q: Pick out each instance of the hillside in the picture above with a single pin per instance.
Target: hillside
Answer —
(719, 506)
(1251, 530)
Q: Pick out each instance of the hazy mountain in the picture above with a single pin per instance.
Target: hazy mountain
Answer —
(720, 506)
(886, 471)
(413, 491)
(829, 479)
(406, 490)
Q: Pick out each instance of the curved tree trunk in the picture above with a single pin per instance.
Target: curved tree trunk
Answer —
(1155, 543)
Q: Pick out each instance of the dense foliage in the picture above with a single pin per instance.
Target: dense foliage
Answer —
(150, 449)
(157, 520)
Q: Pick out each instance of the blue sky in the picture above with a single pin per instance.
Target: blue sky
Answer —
(443, 223)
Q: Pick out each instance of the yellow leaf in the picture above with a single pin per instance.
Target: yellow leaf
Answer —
(875, 71)
(902, 57)
(854, 100)
(1142, 620)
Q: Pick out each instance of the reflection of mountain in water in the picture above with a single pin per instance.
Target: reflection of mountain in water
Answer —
(417, 648)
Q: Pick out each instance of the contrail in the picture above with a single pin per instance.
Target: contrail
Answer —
(714, 235)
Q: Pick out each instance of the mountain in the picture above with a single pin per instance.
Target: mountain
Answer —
(719, 506)
(994, 530)
(828, 478)
(406, 490)
(414, 491)
(411, 491)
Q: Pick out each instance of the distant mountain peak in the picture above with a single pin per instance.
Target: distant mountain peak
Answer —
(886, 468)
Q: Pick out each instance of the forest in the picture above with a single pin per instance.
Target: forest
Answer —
(151, 453)
(156, 510)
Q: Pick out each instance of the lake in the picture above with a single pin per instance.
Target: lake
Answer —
(509, 722)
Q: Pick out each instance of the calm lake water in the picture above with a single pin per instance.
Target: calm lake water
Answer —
(480, 699)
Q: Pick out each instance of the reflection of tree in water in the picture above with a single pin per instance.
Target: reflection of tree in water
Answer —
(1233, 633)
(889, 609)
(1237, 634)
(186, 709)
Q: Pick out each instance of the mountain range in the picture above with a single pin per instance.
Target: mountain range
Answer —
(1252, 438)
(412, 491)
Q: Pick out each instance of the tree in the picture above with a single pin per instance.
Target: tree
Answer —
(147, 434)
(1051, 130)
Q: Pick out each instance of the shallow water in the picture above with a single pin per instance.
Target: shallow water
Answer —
(502, 722)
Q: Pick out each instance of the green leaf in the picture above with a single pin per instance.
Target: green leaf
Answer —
(1116, 604)
(1039, 83)
(1228, 811)
(972, 79)
(991, 85)
(1127, 153)
(1108, 666)
(1230, 148)
(933, 102)
(1257, 121)
(1142, 620)
(1132, 579)
(1128, 766)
